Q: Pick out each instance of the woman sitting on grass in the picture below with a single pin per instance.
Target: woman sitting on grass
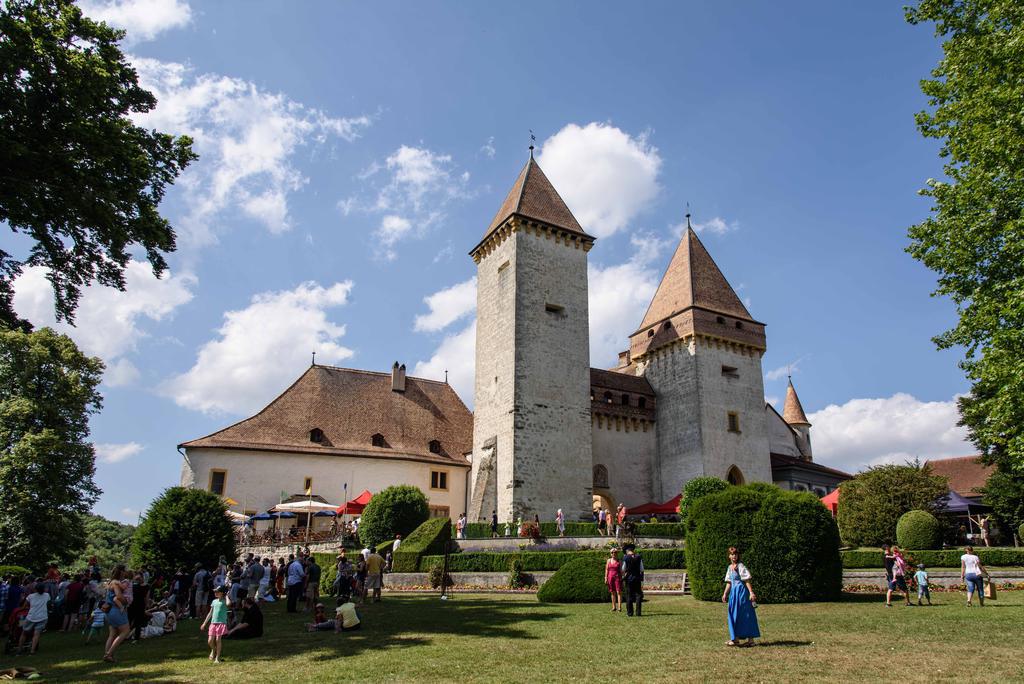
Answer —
(739, 595)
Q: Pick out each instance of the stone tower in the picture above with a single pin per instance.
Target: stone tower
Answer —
(793, 413)
(701, 351)
(531, 430)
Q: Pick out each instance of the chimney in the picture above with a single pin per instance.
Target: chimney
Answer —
(623, 358)
(398, 377)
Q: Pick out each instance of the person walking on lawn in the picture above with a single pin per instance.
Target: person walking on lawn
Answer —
(633, 578)
(739, 596)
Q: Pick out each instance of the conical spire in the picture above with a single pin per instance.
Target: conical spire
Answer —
(793, 412)
(693, 279)
(532, 196)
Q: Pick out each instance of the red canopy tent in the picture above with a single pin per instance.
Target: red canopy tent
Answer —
(670, 507)
(831, 502)
(356, 505)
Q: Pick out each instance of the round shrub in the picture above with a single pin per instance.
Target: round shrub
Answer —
(183, 527)
(918, 530)
(787, 540)
(581, 580)
(393, 510)
(697, 488)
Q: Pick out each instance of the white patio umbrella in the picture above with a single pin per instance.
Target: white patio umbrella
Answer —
(305, 507)
(235, 516)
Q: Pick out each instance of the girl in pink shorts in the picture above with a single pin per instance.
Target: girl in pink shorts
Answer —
(218, 621)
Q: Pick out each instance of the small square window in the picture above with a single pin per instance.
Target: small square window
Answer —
(439, 480)
(307, 485)
(734, 422)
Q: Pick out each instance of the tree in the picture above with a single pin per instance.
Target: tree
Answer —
(974, 239)
(181, 528)
(871, 503)
(695, 489)
(76, 175)
(1004, 492)
(393, 510)
(109, 541)
(47, 393)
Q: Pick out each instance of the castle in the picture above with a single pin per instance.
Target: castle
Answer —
(547, 431)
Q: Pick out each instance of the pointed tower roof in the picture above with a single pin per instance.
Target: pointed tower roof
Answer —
(693, 279)
(532, 196)
(793, 412)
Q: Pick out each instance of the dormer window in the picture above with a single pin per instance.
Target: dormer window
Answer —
(739, 325)
(607, 397)
(435, 446)
(377, 440)
(650, 333)
(316, 435)
(641, 402)
(720, 320)
(667, 326)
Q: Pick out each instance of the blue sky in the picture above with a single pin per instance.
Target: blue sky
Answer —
(352, 153)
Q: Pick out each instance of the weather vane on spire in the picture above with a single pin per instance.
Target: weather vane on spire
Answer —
(533, 139)
(687, 214)
(314, 359)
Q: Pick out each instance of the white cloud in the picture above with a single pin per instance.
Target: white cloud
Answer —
(142, 19)
(716, 226)
(619, 295)
(448, 306)
(115, 453)
(418, 173)
(488, 148)
(606, 176)
(247, 139)
(108, 322)
(783, 371)
(772, 399)
(392, 229)
(260, 348)
(457, 355)
(899, 428)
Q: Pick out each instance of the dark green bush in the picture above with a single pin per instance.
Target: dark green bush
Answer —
(787, 540)
(434, 576)
(871, 503)
(328, 571)
(13, 571)
(1020, 532)
(675, 530)
(697, 488)
(181, 528)
(517, 578)
(863, 559)
(384, 548)
(918, 530)
(581, 580)
(429, 538)
(579, 529)
(533, 561)
(393, 510)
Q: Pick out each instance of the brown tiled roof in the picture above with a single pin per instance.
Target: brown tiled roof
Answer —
(532, 196)
(350, 406)
(784, 461)
(966, 473)
(620, 382)
(793, 412)
(693, 279)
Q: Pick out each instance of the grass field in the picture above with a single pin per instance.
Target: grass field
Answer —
(497, 638)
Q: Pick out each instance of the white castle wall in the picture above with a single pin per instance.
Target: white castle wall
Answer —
(630, 454)
(780, 438)
(255, 479)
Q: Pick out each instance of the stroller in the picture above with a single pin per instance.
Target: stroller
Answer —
(14, 633)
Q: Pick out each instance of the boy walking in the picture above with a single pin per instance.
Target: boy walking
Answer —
(922, 585)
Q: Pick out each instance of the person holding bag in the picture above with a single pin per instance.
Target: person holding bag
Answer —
(971, 572)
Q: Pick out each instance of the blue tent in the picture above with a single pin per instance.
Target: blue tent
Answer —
(285, 514)
(325, 514)
(263, 516)
(954, 503)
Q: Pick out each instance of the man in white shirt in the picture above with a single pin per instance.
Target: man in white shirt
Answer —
(296, 577)
(38, 613)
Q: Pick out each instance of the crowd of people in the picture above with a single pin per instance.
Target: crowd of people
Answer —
(226, 598)
(901, 577)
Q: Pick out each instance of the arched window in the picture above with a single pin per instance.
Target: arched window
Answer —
(625, 400)
(734, 476)
(377, 440)
(641, 402)
(316, 435)
(435, 446)
(600, 476)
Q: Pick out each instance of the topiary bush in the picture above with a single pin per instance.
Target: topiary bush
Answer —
(393, 510)
(918, 530)
(181, 528)
(581, 580)
(697, 488)
(434, 576)
(430, 537)
(787, 540)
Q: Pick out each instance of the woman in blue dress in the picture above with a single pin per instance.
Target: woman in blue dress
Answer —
(739, 594)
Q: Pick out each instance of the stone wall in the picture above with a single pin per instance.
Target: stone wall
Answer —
(629, 450)
(781, 439)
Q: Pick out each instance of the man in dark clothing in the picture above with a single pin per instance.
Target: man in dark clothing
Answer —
(251, 624)
(494, 525)
(633, 575)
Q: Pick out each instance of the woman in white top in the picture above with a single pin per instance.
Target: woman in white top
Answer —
(971, 571)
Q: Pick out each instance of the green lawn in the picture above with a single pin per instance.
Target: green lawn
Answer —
(515, 639)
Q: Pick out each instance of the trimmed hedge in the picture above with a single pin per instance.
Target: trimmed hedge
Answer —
(918, 530)
(654, 559)
(696, 489)
(581, 580)
(865, 559)
(398, 509)
(579, 529)
(13, 570)
(788, 540)
(429, 538)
